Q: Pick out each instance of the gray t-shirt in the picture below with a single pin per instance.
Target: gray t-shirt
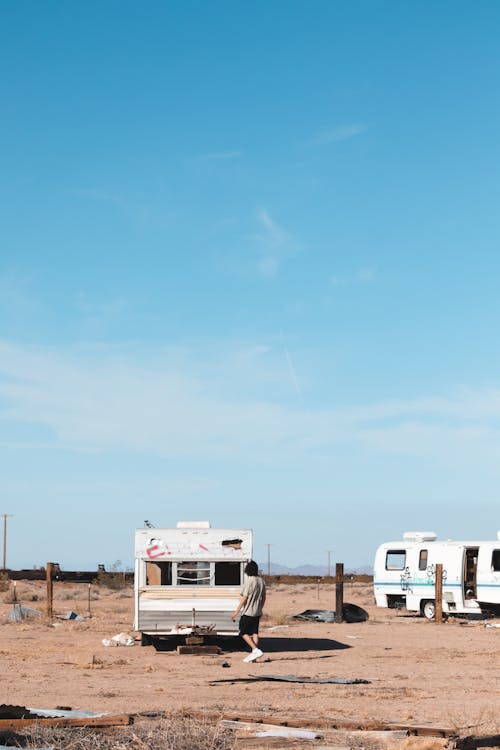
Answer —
(254, 589)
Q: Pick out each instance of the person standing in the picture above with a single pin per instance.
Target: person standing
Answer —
(252, 600)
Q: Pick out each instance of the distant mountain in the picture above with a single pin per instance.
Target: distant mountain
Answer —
(312, 570)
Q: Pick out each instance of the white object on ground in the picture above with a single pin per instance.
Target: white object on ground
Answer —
(122, 639)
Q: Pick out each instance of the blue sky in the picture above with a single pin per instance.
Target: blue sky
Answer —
(249, 272)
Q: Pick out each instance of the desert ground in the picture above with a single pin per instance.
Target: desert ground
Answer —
(419, 672)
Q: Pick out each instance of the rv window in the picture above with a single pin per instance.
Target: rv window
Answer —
(495, 561)
(193, 573)
(395, 559)
(422, 560)
(227, 573)
(158, 574)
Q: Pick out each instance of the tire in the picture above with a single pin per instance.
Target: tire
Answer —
(429, 609)
(146, 640)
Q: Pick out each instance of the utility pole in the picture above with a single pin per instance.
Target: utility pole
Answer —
(329, 563)
(268, 559)
(5, 517)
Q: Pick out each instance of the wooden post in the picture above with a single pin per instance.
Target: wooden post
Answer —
(339, 592)
(439, 593)
(48, 573)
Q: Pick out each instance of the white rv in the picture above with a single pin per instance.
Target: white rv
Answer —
(404, 574)
(188, 579)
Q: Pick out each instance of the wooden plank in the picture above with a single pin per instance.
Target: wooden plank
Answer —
(66, 721)
(197, 650)
(428, 730)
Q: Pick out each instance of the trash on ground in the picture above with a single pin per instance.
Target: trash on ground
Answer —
(492, 624)
(19, 612)
(288, 733)
(70, 616)
(277, 627)
(294, 678)
(351, 613)
(23, 712)
(122, 639)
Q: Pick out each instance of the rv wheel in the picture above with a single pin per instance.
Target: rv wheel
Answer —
(429, 609)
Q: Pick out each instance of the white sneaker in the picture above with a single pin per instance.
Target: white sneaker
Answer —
(255, 654)
(248, 657)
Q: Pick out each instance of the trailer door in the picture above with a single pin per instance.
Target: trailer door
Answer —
(470, 573)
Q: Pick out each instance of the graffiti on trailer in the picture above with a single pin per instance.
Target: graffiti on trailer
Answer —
(406, 580)
(431, 574)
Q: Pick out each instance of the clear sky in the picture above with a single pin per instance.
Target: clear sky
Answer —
(249, 273)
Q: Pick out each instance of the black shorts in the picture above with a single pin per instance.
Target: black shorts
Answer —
(249, 625)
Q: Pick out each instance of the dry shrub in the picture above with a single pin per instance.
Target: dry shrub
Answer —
(114, 579)
(420, 743)
(275, 617)
(171, 733)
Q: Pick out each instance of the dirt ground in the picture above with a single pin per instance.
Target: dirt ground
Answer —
(419, 672)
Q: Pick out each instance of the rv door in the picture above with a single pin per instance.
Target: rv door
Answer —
(470, 573)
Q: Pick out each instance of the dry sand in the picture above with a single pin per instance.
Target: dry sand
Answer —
(420, 672)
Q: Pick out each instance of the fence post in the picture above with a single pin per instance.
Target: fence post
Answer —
(439, 593)
(339, 592)
(48, 574)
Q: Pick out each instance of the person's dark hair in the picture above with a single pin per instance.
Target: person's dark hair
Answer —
(251, 568)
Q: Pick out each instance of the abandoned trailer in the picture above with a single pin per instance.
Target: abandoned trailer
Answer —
(188, 580)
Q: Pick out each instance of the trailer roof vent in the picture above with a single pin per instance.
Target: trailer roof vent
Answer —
(193, 524)
(419, 536)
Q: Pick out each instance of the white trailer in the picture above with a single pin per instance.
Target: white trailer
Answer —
(404, 574)
(188, 579)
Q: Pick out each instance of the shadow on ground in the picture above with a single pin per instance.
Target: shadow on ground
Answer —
(270, 645)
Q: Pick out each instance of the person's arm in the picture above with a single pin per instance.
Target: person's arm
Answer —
(241, 604)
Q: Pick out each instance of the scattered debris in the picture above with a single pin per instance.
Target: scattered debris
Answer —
(294, 678)
(277, 627)
(288, 733)
(351, 613)
(317, 723)
(225, 664)
(70, 616)
(122, 639)
(13, 718)
(316, 615)
(19, 612)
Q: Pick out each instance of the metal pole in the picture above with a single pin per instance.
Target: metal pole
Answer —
(329, 563)
(5, 516)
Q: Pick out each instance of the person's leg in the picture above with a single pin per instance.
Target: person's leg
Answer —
(250, 640)
(255, 639)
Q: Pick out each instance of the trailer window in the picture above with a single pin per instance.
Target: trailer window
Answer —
(495, 561)
(395, 559)
(193, 573)
(422, 559)
(227, 573)
(158, 574)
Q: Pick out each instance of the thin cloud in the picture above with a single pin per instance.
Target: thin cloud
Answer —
(105, 401)
(274, 243)
(340, 133)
